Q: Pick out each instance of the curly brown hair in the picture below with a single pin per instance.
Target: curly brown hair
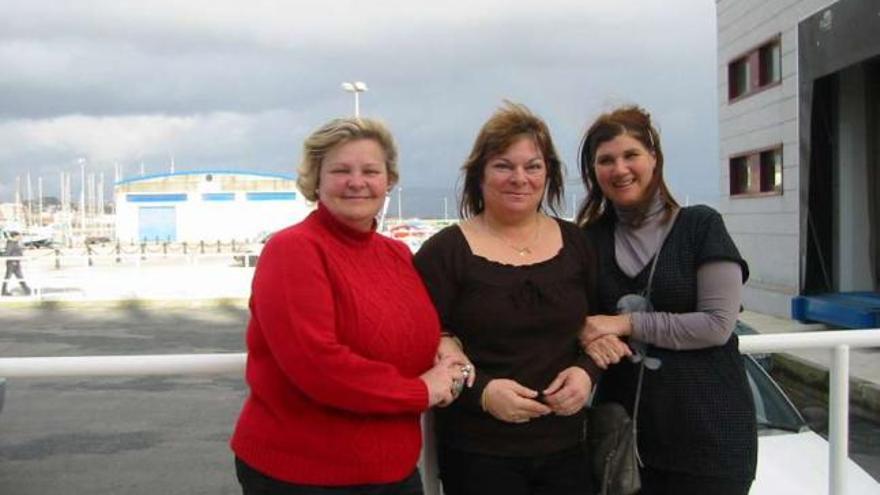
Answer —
(508, 124)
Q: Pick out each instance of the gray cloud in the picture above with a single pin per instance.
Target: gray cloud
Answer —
(226, 85)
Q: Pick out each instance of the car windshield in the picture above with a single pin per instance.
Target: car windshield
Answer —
(772, 409)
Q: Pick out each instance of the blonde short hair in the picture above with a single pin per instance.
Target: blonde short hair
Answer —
(334, 133)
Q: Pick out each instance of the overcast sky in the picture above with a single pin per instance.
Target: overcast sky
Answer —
(237, 85)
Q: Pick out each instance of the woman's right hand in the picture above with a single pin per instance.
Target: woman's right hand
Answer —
(444, 382)
(509, 401)
(450, 347)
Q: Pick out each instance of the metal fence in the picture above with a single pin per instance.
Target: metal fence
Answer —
(838, 343)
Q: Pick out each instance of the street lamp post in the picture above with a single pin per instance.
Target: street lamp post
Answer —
(399, 209)
(356, 87)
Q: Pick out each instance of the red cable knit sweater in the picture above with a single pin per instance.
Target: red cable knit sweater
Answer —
(341, 328)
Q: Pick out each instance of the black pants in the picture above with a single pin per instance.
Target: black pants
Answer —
(655, 482)
(14, 268)
(254, 482)
(561, 473)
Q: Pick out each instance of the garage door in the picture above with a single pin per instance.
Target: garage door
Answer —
(157, 223)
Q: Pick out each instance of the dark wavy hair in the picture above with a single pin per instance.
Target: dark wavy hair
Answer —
(508, 124)
(634, 122)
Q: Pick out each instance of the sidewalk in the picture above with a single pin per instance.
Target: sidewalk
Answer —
(214, 276)
(811, 366)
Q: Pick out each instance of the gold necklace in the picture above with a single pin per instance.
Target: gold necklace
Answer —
(521, 251)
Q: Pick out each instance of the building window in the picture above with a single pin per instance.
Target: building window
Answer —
(739, 78)
(770, 58)
(739, 175)
(757, 173)
(771, 171)
(755, 71)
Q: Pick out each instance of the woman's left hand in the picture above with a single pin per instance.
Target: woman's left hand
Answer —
(450, 348)
(598, 326)
(607, 350)
(569, 391)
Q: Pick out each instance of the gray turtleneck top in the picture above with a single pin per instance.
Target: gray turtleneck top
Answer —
(638, 235)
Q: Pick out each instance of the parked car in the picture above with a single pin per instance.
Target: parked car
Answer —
(792, 458)
(765, 359)
(248, 254)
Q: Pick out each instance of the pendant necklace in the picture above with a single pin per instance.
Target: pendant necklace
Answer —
(522, 251)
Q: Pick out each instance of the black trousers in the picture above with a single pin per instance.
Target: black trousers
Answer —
(254, 482)
(561, 473)
(655, 482)
(14, 268)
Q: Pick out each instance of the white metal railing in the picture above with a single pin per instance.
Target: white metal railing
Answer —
(156, 364)
(839, 342)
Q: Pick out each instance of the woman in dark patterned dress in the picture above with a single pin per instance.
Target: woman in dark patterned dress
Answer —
(696, 421)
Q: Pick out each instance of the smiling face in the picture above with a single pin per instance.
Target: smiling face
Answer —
(514, 181)
(353, 182)
(624, 170)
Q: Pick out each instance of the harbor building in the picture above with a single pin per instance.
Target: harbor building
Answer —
(799, 129)
(206, 205)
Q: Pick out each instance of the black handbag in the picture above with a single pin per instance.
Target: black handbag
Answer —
(612, 436)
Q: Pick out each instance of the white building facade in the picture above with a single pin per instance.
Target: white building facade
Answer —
(207, 205)
(799, 128)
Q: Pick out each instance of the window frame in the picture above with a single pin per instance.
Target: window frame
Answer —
(755, 70)
(754, 170)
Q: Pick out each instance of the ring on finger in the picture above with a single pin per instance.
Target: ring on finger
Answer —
(457, 385)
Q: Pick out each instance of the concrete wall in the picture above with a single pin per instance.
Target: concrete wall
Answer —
(766, 229)
(852, 260)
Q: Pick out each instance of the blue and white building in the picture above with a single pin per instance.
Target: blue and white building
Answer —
(206, 205)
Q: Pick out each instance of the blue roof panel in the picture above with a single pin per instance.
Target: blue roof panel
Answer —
(206, 172)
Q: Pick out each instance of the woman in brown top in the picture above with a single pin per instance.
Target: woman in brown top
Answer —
(510, 282)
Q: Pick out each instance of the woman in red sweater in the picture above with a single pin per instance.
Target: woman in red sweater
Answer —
(343, 337)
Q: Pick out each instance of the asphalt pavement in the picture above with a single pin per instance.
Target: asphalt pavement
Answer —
(138, 435)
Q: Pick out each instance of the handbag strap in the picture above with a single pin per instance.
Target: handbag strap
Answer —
(635, 418)
(663, 237)
(647, 295)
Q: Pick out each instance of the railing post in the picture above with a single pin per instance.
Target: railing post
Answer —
(838, 422)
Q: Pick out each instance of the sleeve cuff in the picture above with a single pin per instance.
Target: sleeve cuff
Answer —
(586, 363)
(639, 326)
